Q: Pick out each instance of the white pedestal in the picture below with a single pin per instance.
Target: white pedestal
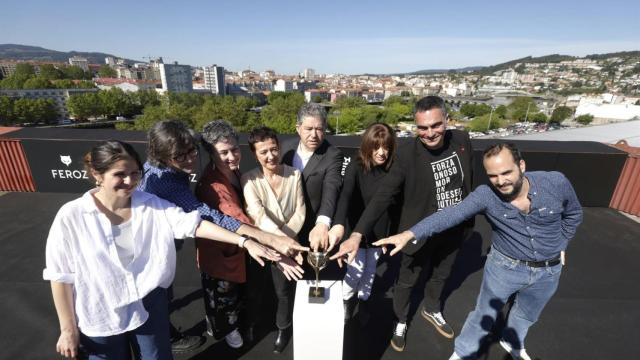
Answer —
(318, 329)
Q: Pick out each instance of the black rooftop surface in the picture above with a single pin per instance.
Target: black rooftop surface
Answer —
(594, 314)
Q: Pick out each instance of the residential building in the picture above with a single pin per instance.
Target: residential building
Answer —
(214, 79)
(283, 85)
(80, 62)
(176, 78)
(309, 74)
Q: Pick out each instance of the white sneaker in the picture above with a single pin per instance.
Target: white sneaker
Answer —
(517, 354)
(455, 356)
(234, 339)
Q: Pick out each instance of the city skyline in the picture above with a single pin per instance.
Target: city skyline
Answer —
(352, 38)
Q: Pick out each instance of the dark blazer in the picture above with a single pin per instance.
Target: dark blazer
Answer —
(410, 178)
(321, 181)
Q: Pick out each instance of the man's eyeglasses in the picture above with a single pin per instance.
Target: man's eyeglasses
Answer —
(193, 152)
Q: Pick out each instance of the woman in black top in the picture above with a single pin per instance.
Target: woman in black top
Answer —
(361, 180)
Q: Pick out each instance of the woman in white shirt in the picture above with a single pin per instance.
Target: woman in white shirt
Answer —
(110, 256)
(275, 202)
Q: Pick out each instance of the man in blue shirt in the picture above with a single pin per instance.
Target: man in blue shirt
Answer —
(533, 216)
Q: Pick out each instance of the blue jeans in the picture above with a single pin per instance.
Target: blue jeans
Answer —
(504, 277)
(149, 341)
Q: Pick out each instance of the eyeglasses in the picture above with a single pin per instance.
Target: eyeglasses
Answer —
(193, 152)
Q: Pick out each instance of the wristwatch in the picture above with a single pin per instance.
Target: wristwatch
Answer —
(242, 240)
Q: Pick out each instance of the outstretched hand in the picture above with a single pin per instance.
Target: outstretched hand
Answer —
(260, 252)
(288, 246)
(335, 235)
(290, 268)
(319, 237)
(348, 249)
(399, 241)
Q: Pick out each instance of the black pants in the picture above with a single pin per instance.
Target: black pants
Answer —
(438, 256)
(257, 278)
(221, 304)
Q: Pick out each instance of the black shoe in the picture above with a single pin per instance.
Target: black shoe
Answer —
(282, 339)
(398, 341)
(438, 322)
(186, 343)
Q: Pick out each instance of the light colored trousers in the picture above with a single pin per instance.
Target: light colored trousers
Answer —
(360, 274)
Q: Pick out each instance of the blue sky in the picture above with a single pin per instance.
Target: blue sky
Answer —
(329, 36)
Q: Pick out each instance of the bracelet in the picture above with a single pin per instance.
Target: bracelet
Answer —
(242, 240)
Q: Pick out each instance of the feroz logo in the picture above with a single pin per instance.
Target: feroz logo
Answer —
(66, 159)
(68, 173)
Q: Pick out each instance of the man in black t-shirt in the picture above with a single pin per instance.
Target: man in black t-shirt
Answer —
(431, 172)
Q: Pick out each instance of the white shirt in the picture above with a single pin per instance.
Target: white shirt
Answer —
(81, 250)
(123, 236)
(301, 158)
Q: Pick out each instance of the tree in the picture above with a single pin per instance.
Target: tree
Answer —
(24, 69)
(107, 71)
(15, 81)
(500, 111)
(50, 72)
(473, 110)
(34, 110)
(585, 119)
(144, 98)
(187, 99)
(23, 110)
(481, 123)
(396, 112)
(116, 102)
(84, 106)
(44, 110)
(520, 107)
(393, 99)
(38, 82)
(6, 110)
(235, 110)
(64, 84)
(74, 72)
(281, 111)
(560, 114)
(538, 117)
(350, 102)
(151, 115)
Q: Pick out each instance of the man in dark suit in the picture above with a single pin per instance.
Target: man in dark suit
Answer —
(320, 164)
(431, 172)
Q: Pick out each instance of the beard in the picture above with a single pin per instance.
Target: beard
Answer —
(517, 186)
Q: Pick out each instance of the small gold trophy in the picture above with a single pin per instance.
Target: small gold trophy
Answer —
(318, 261)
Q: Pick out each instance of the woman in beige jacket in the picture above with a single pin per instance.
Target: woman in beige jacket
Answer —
(275, 202)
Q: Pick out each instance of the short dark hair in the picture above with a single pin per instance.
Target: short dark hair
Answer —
(312, 110)
(216, 131)
(102, 156)
(375, 136)
(428, 103)
(260, 134)
(495, 149)
(168, 139)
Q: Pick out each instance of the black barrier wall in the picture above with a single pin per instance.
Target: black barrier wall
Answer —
(55, 157)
